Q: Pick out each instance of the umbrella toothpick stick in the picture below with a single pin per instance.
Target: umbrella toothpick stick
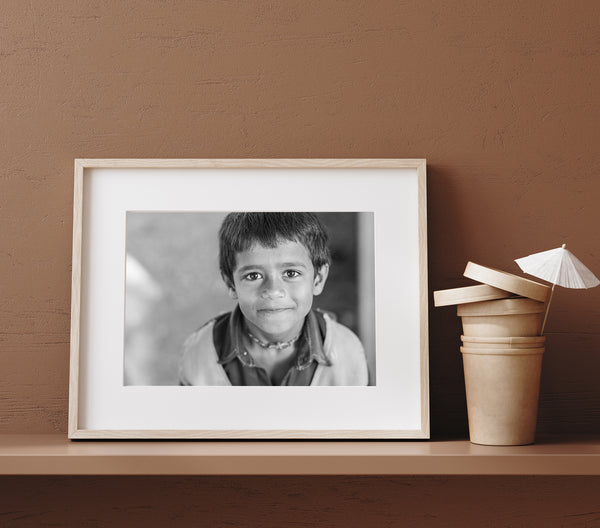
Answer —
(551, 294)
(547, 308)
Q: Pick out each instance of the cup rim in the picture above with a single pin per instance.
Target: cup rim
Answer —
(502, 351)
(508, 340)
(511, 306)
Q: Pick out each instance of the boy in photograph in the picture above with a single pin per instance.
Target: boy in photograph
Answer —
(273, 265)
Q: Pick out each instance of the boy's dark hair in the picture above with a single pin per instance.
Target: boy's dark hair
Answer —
(239, 231)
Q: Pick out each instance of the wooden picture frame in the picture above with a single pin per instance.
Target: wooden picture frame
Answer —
(114, 197)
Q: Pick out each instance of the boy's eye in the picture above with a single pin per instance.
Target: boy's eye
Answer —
(291, 274)
(252, 276)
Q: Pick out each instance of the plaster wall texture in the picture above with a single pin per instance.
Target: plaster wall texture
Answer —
(501, 98)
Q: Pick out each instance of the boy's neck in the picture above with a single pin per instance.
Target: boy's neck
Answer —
(267, 340)
(276, 345)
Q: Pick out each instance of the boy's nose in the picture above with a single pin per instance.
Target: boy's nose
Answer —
(273, 288)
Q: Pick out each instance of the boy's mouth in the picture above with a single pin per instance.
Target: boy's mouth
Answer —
(272, 310)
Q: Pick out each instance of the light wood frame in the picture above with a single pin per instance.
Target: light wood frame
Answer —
(75, 431)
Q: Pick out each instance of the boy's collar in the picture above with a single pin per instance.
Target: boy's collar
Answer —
(310, 344)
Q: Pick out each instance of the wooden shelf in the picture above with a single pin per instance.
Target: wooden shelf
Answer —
(56, 455)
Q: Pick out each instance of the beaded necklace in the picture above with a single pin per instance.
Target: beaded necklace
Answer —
(278, 345)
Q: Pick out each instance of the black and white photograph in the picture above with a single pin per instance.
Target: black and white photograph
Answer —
(250, 299)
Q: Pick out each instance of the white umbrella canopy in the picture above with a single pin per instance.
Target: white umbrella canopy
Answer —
(558, 266)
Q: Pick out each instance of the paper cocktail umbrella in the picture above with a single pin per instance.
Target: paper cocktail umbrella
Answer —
(558, 266)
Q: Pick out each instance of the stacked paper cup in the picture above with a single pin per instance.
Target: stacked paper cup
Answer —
(502, 353)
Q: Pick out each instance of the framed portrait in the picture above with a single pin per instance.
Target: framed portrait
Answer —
(249, 299)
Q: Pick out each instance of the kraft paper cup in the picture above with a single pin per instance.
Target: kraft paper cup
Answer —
(503, 342)
(502, 386)
(502, 318)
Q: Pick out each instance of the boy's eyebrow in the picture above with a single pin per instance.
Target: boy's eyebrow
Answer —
(293, 265)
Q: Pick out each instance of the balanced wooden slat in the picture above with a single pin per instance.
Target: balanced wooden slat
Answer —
(469, 294)
(507, 281)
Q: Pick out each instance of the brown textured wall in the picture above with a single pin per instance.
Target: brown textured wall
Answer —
(501, 98)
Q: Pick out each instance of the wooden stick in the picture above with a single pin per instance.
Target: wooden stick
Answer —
(564, 246)
(547, 308)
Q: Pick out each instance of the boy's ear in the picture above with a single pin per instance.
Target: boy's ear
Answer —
(230, 287)
(320, 279)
